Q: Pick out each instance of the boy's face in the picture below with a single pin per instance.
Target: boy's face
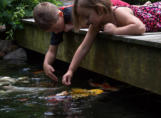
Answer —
(58, 26)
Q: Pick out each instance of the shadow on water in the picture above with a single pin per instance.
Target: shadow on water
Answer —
(35, 96)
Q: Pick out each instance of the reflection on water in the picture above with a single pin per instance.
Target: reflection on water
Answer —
(33, 95)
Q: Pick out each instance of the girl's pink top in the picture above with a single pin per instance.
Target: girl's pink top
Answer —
(150, 15)
(119, 3)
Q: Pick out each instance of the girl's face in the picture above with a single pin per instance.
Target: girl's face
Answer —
(89, 16)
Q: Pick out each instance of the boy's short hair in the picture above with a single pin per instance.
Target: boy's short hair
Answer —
(45, 15)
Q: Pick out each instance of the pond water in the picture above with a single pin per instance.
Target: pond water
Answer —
(38, 97)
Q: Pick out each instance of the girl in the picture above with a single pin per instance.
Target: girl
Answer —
(100, 14)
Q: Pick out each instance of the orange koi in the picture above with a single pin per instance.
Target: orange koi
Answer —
(104, 86)
(23, 99)
(38, 72)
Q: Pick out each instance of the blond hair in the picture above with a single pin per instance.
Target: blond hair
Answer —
(45, 15)
(92, 4)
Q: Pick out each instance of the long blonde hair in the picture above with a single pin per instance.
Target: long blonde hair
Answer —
(92, 4)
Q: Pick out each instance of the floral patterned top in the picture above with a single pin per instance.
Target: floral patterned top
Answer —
(150, 15)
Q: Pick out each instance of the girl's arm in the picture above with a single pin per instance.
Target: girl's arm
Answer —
(80, 53)
(128, 24)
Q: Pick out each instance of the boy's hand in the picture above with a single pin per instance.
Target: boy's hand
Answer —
(48, 69)
(67, 78)
(110, 28)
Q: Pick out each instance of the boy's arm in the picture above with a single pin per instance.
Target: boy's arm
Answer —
(48, 61)
(129, 24)
(80, 53)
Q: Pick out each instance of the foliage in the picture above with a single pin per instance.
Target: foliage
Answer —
(12, 11)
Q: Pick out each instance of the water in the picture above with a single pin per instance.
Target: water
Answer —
(28, 102)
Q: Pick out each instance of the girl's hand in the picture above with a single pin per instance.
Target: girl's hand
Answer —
(110, 28)
(67, 78)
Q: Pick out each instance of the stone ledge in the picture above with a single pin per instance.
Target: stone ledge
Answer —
(152, 39)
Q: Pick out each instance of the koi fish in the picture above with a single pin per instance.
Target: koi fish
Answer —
(8, 79)
(38, 72)
(22, 99)
(4, 84)
(104, 86)
(27, 89)
(22, 78)
(58, 97)
(75, 93)
(79, 93)
(11, 80)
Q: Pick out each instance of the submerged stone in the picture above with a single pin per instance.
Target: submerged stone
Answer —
(8, 79)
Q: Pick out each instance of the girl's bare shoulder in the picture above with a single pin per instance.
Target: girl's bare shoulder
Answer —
(123, 15)
(119, 10)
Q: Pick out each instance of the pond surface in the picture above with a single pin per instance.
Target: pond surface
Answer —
(38, 97)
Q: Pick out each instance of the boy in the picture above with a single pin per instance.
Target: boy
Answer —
(55, 20)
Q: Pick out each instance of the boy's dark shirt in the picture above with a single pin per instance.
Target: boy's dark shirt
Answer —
(57, 38)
